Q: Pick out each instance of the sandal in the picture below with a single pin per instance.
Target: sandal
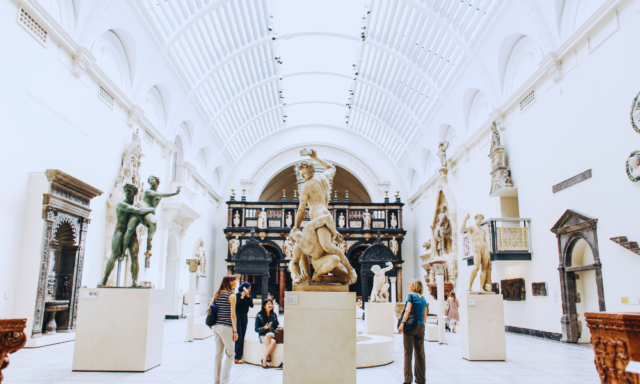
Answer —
(262, 363)
(239, 361)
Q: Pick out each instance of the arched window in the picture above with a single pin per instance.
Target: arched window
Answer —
(111, 57)
(153, 107)
(523, 62)
(178, 161)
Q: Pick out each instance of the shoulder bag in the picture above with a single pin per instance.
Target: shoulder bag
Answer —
(412, 322)
(212, 316)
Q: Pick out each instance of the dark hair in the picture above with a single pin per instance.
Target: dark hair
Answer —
(263, 311)
(225, 285)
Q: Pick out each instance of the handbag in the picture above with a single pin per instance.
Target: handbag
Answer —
(280, 336)
(212, 316)
(411, 323)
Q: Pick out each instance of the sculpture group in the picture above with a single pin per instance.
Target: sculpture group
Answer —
(317, 241)
(128, 217)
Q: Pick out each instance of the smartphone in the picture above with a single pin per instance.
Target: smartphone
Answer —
(245, 289)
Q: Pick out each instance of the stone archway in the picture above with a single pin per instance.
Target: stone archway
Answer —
(570, 230)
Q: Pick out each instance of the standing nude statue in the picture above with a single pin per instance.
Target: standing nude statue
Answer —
(150, 199)
(380, 290)
(481, 255)
(124, 211)
(319, 234)
(442, 153)
(366, 219)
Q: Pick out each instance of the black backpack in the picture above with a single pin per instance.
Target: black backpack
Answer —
(212, 316)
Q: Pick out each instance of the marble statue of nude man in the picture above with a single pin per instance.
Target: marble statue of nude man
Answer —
(319, 236)
(481, 255)
(150, 199)
(124, 210)
(380, 290)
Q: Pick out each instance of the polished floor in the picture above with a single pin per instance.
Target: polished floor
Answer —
(529, 360)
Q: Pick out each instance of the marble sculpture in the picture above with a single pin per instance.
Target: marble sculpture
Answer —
(288, 248)
(317, 240)
(380, 290)
(201, 257)
(289, 220)
(442, 153)
(262, 219)
(481, 255)
(366, 219)
(234, 244)
(124, 210)
(341, 221)
(394, 221)
(393, 245)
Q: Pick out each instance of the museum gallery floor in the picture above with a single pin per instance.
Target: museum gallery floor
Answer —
(529, 360)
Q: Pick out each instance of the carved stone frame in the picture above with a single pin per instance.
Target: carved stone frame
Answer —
(571, 227)
(67, 202)
(378, 254)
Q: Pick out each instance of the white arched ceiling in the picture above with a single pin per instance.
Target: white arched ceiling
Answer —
(375, 67)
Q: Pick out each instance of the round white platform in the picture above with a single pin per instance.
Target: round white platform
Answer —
(371, 351)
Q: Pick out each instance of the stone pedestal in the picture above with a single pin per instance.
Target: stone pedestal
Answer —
(323, 332)
(616, 341)
(379, 319)
(119, 329)
(482, 330)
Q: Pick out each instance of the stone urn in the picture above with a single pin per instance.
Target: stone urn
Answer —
(52, 307)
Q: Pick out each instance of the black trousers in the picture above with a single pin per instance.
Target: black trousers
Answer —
(241, 325)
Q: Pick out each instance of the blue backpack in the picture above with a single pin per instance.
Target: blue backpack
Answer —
(212, 316)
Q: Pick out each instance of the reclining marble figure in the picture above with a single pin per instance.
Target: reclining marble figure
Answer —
(124, 210)
(317, 240)
(380, 290)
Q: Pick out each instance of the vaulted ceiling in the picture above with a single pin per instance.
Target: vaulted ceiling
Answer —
(375, 67)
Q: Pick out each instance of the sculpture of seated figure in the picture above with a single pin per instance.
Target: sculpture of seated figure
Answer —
(380, 291)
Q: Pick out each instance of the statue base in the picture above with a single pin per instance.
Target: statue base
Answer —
(482, 327)
(119, 330)
(480, 293)
(320, 342)
(321, 287)
(379, 319)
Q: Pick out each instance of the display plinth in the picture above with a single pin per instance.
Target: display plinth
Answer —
(322, 332)
(320, 287)
(482, 331)
(379, 319)
(119, 330)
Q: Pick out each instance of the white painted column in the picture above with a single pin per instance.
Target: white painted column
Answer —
(193, 267)
(439, 268)
(393, 281)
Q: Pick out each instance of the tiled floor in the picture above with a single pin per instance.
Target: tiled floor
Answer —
(529, 360)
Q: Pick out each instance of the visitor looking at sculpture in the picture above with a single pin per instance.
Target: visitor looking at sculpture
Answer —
(453, 315)
(413, 339)
(266, 325)
(225, 332)
(244, 301)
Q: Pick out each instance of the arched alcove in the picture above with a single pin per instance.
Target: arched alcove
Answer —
(478, 112)
(154, 109)
(112, 58)
(586, 287)
(522, 61)
(178, 160)
(343, 181)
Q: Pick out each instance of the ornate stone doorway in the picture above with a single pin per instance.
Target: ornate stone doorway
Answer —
(580, 272)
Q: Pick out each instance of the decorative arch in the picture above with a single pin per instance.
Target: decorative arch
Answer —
(428, 162)
(154, 108)
(479, 111)
(202, 159)
(522, 62)
(216, 177)
(112, 58)
(289, 156)
(572, 227)
(575, 13)
(178, 160)
(65, 230)
(413, 179)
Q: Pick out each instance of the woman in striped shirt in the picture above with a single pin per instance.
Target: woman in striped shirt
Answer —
(225, 332)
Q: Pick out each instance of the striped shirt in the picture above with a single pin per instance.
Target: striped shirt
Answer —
(224, 309)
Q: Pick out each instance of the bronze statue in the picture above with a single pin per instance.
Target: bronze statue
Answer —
(124, 211)
(150, 199)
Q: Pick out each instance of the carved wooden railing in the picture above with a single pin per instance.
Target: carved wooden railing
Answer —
(12, 339)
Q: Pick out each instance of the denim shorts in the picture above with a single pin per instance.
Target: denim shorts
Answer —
(261, 337)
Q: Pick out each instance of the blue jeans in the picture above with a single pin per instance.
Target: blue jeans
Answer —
(241, 325)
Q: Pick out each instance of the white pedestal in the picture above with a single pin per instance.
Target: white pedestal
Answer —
(482, 331)
(379, 318)
(322, 334)
(431, 333)
(120, 329)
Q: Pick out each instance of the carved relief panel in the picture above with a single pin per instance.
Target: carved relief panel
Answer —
(513, 289)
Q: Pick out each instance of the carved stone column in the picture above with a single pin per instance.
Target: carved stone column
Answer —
(439, 267)
(616, 341)
(12, 339)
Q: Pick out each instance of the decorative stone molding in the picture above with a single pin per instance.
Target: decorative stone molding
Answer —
(135, 114)
(513, 238)
(500, 172)
(80, 62)
(553, 66)
(261, 175)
